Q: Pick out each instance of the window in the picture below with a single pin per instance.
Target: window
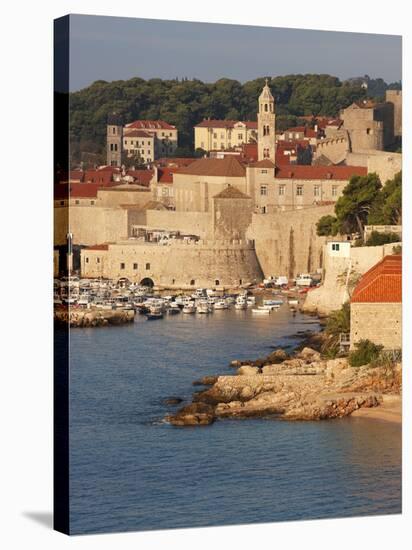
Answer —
(115, 146)
(111, 147)
(240, 136)
(282, 189)
(217, 282)
(97, 260)
(263, 190)
(266, 107)
(263, 171)
(92, 203)
(135, 266)
(266, 153)
(368, 131)
(334, 190)
(61, 203)
(147, 266)
(335, 246)
(122, 265)
(113, 130)
(87, 260)
(263, 210)
(192, 282)
(76, 202)
(125, 141)
(214, 145)
(299, 190)
(215, 135)
(222, 135)
(316, 190)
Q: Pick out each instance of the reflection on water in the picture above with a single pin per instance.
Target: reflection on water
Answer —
(130, 470)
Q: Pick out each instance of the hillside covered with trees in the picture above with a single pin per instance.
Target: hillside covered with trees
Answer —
(185, 103)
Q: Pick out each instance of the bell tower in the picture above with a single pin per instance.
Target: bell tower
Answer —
(266, 125)
(114, 141)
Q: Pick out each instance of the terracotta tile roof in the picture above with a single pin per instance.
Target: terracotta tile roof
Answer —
(307, 132)
(266, 163)
(137, 133)
(214, 123)
(382, 283)
(231, 193)
(151, 125)
(174, 162)
(102, 177)
(250, 151)
(304, 172)
(226, 167)
(165, 175)
(142, 177)
(98, 247)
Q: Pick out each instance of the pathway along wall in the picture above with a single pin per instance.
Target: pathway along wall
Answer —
(286, 242)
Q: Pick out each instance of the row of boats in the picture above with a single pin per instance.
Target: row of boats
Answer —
(109, 295)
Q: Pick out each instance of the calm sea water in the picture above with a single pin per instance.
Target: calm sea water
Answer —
(131, 471)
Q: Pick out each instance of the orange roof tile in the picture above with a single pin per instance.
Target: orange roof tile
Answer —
(308, 172)
(227, 167)
(382, 283)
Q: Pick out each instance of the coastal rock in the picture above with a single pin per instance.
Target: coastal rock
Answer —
(206, 381)
(235, 364)
(195, 414)
(173, 400)
(248, 370)
(309, 354)
(277, 356)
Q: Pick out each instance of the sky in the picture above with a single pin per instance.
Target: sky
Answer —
(117, 48)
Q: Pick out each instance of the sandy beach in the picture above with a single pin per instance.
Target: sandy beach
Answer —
(390, 410)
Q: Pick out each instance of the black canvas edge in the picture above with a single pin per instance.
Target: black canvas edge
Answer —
(61, 481)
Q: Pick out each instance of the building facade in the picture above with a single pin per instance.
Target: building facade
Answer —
(213, 135)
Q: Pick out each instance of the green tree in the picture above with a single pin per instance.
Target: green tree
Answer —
(327, 225)
(387, 207)
(353, 207)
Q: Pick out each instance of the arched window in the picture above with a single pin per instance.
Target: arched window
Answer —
(266, 107)
(192, 282)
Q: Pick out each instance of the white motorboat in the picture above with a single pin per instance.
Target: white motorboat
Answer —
(241, 302)
(258, 311)
(293, 302)
(189, 307)
(221, 304)
(203, 307)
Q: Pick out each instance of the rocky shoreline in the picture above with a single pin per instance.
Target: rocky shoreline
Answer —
(75, 317)
(304, 386)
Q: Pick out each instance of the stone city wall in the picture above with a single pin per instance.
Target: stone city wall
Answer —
(183, 266)
(286, 242)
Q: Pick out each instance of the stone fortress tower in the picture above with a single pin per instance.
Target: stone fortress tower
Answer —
(114, 140)
(266, 125)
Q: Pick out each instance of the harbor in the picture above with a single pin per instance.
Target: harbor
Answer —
(98, 302)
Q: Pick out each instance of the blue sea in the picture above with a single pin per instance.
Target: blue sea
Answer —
(132, 471)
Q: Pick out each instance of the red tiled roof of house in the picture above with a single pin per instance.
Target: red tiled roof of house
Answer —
(265, 163)
(76, 175)
(165, 174)
(137, 133)
(250, 151)
(98, 247)
(227, 167)
(142, 177)
(305, 172)
(382, 283)
(102, 177)
(173, 162)
(214, 123)
(151, 125)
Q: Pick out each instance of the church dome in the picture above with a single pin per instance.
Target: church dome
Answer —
(266, 93)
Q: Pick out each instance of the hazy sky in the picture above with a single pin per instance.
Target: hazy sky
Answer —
(117, 48)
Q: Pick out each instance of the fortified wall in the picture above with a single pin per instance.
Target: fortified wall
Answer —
(176, 265)
(286, 242)
(341, 270)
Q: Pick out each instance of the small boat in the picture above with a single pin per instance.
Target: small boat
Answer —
(154, 313)
(173, 309)
(203, 307)
(240, 302)
(258, 311)
(189, 308)
(276, 302)
(250, 301)
(293, 302)
(269, 307)
(221, 304)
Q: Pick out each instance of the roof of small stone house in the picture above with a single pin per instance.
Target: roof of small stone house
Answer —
(231, 193)
(227, 167)
(154, 205)
(382, 283)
